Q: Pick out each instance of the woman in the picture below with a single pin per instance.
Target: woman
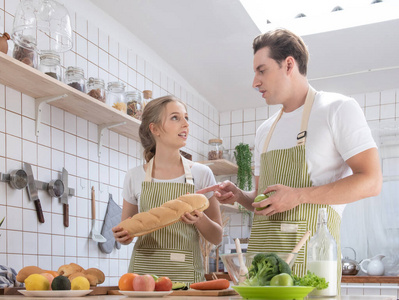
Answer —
(173, 251)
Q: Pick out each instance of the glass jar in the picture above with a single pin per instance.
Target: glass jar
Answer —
(74, 77)
(215, 149)
(25, 51)
(50, 64)
(134, 104)
(96, 89)
(116, 96)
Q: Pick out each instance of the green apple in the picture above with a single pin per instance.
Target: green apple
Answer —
(282, 279)
(259, 198)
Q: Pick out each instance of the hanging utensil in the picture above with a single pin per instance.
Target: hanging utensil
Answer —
(55, 187)
(32, 192)
(64, 196)
(243, 269)
(95, 234)
(298, 247)
(18, 179)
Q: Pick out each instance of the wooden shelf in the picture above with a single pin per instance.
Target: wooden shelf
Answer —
(221, 167)
(36, 84)
(370, 279)
(230, 208)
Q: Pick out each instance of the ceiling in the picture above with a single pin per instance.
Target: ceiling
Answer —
(209, 42)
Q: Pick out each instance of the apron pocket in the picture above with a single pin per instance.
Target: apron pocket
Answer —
(277, 236)
(175, 264)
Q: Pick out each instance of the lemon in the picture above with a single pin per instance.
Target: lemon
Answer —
(80, 283)
(35, 282)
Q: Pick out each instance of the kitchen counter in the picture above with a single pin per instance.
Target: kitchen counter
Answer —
(116, 297)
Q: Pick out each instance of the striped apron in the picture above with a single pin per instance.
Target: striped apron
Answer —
(172, 251)
(282, 231)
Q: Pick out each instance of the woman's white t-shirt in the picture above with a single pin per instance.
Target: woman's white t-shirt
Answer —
(337, 130)
(203, 177)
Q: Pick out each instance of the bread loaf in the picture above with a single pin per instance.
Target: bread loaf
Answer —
(170, 212)
(67, 270)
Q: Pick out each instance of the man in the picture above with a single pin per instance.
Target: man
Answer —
(317, 152)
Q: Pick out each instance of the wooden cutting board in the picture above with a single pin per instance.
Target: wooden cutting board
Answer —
(191, 292)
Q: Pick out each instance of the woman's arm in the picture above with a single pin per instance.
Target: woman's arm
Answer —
(128, 211)
(208, 223)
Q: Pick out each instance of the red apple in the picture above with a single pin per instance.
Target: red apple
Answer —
(163, 284)
(144, 283)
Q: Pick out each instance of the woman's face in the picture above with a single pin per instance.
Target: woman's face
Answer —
(175, 127)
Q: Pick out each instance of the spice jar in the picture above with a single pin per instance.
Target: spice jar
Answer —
(24, 51)
(3, 42)
(116, 96)
(50, 64)
(74, 77)
(134, 104)
(96, 88)
(215, 149)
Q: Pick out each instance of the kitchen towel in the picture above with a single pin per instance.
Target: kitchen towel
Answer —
(8, 277)
(112, 218)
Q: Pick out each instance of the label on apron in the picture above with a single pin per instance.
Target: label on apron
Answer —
(285, 227)
(177, 257)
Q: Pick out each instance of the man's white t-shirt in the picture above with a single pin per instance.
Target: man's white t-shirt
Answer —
(337, 130)
(203, 177)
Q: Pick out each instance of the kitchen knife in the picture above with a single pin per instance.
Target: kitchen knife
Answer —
(32, 192)
(64, 197)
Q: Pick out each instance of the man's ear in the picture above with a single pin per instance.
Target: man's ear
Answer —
(290, 64)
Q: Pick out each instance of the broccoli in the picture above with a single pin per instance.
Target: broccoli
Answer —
(264, 267)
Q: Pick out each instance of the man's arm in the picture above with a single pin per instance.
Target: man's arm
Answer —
(366, 181)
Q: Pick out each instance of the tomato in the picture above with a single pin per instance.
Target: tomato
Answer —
(282, 279)
(126, 281)
(259, 198)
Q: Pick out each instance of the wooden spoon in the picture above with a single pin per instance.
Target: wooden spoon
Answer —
(298, 247)
(243, 269)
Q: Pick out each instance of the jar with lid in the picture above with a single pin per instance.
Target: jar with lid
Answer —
(116, 96)
(147, 95)
(74, 77)
(215, 149)
(25, 50)
(134, 104)
(50, 64)
(96, 88)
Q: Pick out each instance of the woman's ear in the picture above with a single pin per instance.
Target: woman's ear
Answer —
(154, 129)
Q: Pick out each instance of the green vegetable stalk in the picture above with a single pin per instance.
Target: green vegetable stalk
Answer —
(243, 158)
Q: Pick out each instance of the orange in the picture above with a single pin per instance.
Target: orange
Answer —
(126, 281)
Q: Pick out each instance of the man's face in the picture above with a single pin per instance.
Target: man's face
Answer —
(269, 76)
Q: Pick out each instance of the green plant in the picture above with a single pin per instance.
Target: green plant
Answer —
(243, 158)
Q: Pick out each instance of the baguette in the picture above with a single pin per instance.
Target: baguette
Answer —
(168, 213)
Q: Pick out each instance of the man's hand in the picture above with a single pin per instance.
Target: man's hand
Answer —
(284, 198)
(225, 192)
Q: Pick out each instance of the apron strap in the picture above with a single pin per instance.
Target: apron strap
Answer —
(186, 166)
(301, 137)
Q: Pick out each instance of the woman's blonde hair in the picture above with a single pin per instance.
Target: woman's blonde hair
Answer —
(153, 113)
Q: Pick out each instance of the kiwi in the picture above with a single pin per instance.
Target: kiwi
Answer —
(61, 283)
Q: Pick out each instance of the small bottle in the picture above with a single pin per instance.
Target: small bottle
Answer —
(215, 149)
(116, 96)
(50, 64)
(322, 256)
(134, 104)
(147, 95)
(75, 77)
(4, 42)
(96, 89)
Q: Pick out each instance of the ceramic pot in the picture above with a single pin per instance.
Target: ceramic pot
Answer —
(3, 42)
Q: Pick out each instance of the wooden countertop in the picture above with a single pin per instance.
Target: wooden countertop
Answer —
(370, 279)
(107, 297)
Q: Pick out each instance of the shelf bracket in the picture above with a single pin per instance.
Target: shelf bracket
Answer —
(101, 129)
(39, 102)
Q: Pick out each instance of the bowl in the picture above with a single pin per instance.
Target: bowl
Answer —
(232, 264)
